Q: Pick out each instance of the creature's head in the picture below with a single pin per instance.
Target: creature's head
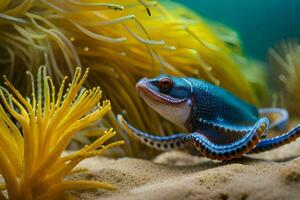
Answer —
(169, 96)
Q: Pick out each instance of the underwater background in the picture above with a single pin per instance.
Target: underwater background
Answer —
(260, 24)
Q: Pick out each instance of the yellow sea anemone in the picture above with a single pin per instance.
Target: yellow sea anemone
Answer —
(34, 132)
(256, 74)
(121, 41)
(285, 65)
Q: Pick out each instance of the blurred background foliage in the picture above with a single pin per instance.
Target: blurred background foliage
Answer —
(260, 24)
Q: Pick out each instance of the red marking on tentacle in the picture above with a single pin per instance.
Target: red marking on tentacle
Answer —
(292, 135)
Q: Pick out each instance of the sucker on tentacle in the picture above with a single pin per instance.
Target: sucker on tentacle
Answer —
(221, 125)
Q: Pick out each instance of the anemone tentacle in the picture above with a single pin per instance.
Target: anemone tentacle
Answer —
(34, 132)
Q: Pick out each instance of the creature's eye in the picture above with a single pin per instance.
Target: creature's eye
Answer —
(165, 84)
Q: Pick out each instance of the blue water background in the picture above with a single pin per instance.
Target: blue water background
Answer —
(260, 23)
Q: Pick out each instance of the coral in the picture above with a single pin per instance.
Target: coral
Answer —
(121, 41)
(35, 131)
(285, 67)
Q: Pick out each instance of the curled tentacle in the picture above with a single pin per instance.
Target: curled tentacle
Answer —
(233, 150)
(278, 117)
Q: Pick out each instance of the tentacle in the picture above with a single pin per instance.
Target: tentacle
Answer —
(233, 150)
(272, 143)
(162, 143)
(278, 117)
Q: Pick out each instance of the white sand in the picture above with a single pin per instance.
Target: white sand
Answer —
(178, 175)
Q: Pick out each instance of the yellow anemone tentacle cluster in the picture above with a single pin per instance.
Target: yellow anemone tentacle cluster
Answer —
(35, 131)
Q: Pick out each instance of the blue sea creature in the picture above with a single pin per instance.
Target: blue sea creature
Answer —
(221, 125)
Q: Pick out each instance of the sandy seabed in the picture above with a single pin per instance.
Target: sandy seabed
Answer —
(178, 175)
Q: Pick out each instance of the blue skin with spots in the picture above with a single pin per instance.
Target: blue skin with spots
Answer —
(221, 125)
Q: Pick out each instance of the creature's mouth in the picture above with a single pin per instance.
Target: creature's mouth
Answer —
(145, 88)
